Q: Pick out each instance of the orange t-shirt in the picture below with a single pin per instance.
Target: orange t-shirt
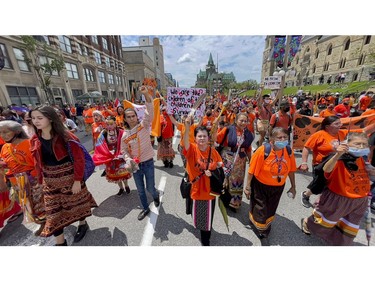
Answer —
(120, 121)
(96, 128)
(285, 120)
(321, 143)
(208, 121)
(267, 170)
(364, 102)
(87, 115)
(351, 184)
(325, 113)
(368, 112)
(23, 162)
(250, 125)
(195, 165)
(181, 128)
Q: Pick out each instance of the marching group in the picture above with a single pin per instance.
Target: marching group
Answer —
(43, 165)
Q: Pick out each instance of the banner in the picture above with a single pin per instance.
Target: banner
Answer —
(279, 50)
(294, 47)
(181, 100)
(304, 126)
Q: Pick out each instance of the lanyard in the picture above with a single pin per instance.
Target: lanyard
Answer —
(279, 161)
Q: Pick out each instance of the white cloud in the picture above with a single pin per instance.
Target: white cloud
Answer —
(185, 58)
(184, 55)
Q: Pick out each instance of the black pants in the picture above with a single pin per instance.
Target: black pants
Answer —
(205, 237)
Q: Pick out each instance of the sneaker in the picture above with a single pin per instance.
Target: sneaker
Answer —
(127, 189)
(81, 232)
(304, 227)
(170, 164)
(103, 174)
(305, 200)
(166, 164)
(157, 201)
(120, 192)
(143, 214)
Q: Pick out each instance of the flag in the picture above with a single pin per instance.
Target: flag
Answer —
(279, 50)
(304, 126)
(140, 110)
(294, 47)
(156, 126)
(117, 102)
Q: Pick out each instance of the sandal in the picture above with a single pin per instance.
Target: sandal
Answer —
(304, 227)
(15, 217)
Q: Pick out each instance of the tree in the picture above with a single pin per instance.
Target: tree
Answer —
(53, 63)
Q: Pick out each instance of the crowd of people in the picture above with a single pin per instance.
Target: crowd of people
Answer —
(42, 162)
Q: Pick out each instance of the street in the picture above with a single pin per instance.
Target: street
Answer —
(114, 222)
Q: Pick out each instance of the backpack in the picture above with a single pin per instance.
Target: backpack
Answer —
(89, 163)
(319, 182)
(267, 149)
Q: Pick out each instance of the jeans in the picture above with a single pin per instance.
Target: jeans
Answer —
(147, 170)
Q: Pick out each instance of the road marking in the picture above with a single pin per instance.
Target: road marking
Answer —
(149, 231)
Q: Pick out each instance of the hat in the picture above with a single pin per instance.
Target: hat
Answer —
(346, 100)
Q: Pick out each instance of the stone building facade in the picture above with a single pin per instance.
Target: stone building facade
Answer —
(321, 57)
(92, 64)
(155, 52)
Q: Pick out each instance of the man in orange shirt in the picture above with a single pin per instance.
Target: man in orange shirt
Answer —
(281, 118)
(88, 118)
(365, 101)
(327, 112)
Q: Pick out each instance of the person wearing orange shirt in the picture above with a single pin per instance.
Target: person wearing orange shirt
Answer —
(88, 118)
(364, 102)
(165, 149)
(342, 205)
(199, 170)
(181, 128)
(329, 111)
(266, 180)
(370, 109)
(282, 118)
(343, 109)
(321, 144)
(120, 117)
(208, 119)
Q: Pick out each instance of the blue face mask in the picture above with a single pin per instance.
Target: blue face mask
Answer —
(359, 152)
(281, 144)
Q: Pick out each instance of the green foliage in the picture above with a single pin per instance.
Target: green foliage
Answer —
(55, 62)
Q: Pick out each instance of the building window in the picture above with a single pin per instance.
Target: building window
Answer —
(107, 61)
(71, 70)
(94, 39)
(20, 57)
(65, 44)
(101, 76)
(314, 69)
(329, 52)
(355, 76)
(98, 57)
(110, 79)
(84, 51)
(44, 60)
(105, 43)
(76, 93)
(89, 75)
(367, 40)
(317, 54)
(4, 54)
(361, 59)
(347, 45)
(20, 95)
(326, 66)
(342, 63)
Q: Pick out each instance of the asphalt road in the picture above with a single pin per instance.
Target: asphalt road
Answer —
(114, 222)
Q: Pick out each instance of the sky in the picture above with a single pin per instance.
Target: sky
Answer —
(185, 55)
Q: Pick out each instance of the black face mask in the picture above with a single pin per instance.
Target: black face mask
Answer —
(208, 114)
